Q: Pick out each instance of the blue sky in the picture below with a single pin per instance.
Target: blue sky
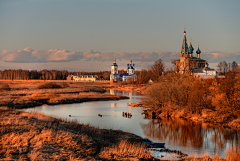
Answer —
(86, 35)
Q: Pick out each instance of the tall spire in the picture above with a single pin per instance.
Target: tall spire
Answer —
(184, 45)
(190, 51)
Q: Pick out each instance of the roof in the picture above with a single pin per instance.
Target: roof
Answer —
(197, 59)
(114, 64)
(201, 70)
(184, 44)
(198, 51)
(190, 50)
(130, 67)
(194, 58)
(124, 74)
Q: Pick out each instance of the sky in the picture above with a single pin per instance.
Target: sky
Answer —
(86, 35)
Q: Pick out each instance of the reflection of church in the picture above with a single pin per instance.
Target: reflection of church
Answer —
(193, 65)
(125, 76)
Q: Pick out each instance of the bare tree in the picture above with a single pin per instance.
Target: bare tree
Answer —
(225, 66)
(234, 65)
(157, 69)
(220, 67)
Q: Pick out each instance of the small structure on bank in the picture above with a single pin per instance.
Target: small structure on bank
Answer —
(82, 77)
(125, 76)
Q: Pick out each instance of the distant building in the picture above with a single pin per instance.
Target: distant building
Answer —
(82, 77)
(125, 76)
(70, 77)
(114, 72)
(193, 65)
(130, 72)
(204, 73)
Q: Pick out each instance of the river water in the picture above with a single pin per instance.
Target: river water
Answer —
(195, 139)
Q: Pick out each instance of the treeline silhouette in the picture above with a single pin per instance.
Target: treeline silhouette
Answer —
(12, 74)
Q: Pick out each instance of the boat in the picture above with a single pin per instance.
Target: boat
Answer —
(154, 144)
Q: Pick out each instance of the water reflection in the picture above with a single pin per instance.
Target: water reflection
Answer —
(180, 132)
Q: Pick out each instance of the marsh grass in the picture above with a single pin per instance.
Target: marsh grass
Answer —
(33, 136)
(48, 85)
(125, 149)
(5, 87)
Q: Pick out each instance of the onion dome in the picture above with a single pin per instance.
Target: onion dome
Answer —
(114, 64)
(191, 49)
(184, 44)
(198, 50)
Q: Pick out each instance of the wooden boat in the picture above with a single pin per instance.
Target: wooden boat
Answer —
(154, 144)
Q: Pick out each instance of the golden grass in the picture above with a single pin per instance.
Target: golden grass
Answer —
(125, 150)
(34, 136)
(27, 94)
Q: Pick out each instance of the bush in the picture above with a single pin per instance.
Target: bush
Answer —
(170, 90)
(64, 85)
(5, 87)
(49, 85)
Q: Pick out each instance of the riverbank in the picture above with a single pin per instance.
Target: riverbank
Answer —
(18, 94)
(214, 101)
(207, 116)
(33, 136)
(140, 88)
(46, 143)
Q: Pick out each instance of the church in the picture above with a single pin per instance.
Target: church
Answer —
(114, 76)
(193, 65)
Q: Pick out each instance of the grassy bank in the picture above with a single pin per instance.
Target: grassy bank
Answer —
(18, 94)
(34, 136)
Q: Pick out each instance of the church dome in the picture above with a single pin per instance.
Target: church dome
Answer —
(191, 49)
(114, 63)
(198, 50)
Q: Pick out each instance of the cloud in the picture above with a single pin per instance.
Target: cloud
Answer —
(217, 56)
(29, 55)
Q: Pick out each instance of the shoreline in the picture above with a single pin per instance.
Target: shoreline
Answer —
(25, 127)
(205, 118)
(28, 135)
(102, 147)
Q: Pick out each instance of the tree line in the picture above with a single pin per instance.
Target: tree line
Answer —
(224, 67)
(19, 74)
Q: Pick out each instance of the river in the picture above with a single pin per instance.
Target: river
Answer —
(195, 139)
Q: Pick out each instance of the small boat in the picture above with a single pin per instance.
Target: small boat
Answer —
(154, 144)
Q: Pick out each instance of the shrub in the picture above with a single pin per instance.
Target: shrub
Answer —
(170, 89)
(125, 149)
(64, 85)
(49, 85)
(5, 87)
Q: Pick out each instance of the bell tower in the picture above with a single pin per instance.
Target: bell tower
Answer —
(184, 56)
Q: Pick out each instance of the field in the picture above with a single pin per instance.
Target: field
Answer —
(20, 94)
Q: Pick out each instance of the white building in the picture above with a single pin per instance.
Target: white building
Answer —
(114, 72)
(205, 72)
(85, 77)
(125, 76)
(130, 72)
